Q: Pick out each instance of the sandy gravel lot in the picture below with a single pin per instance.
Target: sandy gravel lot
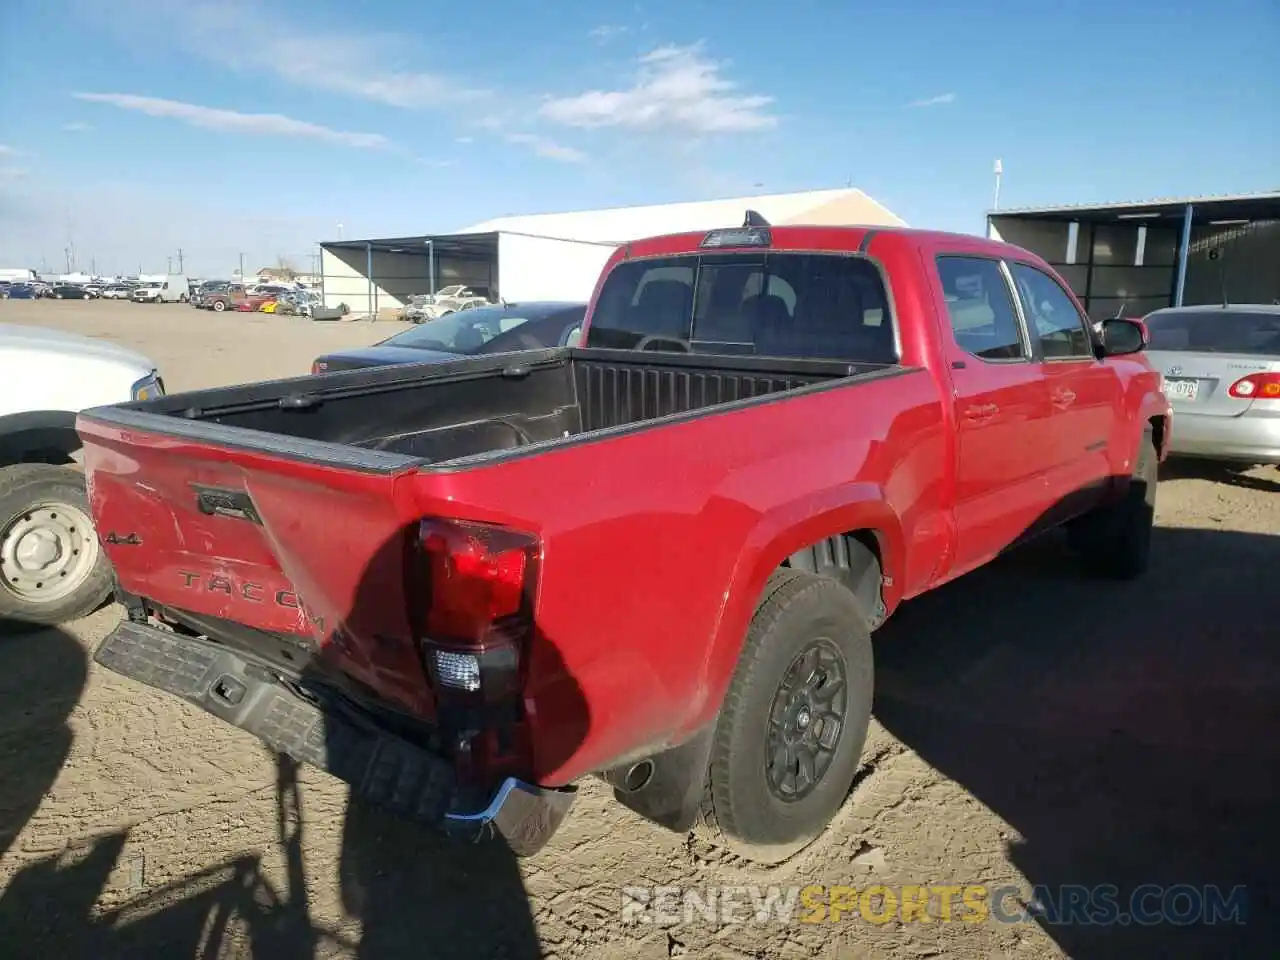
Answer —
(1032, 727)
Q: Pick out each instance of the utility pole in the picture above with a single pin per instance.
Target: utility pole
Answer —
(168, 265)
(66, 252)
(93, 266)
(181, 268)
(242, 268)
(999, 172)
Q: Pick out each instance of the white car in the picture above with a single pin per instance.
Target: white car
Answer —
(443, 302)
(52, 568)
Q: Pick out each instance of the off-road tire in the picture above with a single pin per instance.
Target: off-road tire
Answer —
(1114, 541)
(23, 486)
(218, 306)
(740, 810)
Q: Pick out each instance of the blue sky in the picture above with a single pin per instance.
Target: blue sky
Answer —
(135, 127)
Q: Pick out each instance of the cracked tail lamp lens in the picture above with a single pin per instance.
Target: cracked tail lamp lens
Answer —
(477, 621)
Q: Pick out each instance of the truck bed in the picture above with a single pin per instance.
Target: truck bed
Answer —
(434, 415)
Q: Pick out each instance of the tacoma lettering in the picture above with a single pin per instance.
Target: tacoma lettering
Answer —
(250, 591)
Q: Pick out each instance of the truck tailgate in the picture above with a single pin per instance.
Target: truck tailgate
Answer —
(262, 541)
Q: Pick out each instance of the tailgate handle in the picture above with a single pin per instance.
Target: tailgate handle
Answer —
(214, 501)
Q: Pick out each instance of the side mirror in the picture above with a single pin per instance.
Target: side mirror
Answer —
(1121, 336)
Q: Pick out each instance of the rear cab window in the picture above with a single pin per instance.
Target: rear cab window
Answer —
(775, 304)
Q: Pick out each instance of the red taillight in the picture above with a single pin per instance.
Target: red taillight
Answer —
(478, 603)
(1257, 386)
(319, 367)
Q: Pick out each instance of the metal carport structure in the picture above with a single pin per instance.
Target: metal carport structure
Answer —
(1137, 256)
(368, 274)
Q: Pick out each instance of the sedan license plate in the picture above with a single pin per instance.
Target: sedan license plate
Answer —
(1181, 389)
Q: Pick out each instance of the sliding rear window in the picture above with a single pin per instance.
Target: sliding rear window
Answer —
(811, 305)
(1216, 331)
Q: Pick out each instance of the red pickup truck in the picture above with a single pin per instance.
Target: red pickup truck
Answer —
(657, 558)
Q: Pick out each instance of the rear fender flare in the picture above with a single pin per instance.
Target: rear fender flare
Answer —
(1154, 408)
(40, 434)
(778, 535)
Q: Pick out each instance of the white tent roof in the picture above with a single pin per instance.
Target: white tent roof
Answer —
(846, 206)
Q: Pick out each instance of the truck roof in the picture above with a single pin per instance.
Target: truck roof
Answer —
(830, 238)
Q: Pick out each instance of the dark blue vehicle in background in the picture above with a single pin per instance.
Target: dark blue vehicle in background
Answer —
(469, 333)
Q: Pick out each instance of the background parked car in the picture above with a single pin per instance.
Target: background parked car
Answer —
(445, 301)
(1221, 368)
(116, 291)
(21, 291)
(475, 332)
(69, 291)
(222, 298)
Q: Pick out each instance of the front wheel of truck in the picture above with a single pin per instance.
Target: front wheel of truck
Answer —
(52, 568)
(791, 731)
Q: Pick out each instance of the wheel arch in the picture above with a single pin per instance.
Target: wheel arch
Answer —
(39, 436)
(855, 519)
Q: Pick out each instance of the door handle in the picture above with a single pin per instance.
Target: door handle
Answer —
(981, 412)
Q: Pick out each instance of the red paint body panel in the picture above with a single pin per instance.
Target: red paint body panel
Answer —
(656, 542)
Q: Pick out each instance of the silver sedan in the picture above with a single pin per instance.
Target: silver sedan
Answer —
(1221, 368)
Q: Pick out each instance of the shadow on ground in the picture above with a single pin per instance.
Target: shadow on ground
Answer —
(1128, 733)
(1242, 475)
(411, 892)
(42, 674)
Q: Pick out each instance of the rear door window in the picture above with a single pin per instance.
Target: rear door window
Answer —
(812, 305)
(980, 307)
(1051, 315)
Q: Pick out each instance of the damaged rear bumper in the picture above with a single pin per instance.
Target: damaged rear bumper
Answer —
(380, 766)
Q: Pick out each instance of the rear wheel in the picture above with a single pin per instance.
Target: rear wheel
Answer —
(1114, 541)
(52, 568)
(219, 306)
(790, 735)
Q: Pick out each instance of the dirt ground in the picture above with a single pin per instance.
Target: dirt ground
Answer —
(1032, 727)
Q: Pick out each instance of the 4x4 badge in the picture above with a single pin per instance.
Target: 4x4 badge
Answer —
(129, 539)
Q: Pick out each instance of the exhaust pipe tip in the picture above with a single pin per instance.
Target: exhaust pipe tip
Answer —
(631, 778)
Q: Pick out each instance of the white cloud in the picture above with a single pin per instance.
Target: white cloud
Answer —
(464, 139)
(676, 88)
(77, 127)
(935, 101)
(7, 151)
(544, 147)
(231, 121)
(13, 173)
(606, 32)
(359, 65)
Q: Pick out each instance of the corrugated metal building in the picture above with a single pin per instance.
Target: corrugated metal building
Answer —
(1134, 257)
(553, 256)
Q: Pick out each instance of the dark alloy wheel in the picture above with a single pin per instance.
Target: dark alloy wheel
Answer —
(806, 720)
(790, 733)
